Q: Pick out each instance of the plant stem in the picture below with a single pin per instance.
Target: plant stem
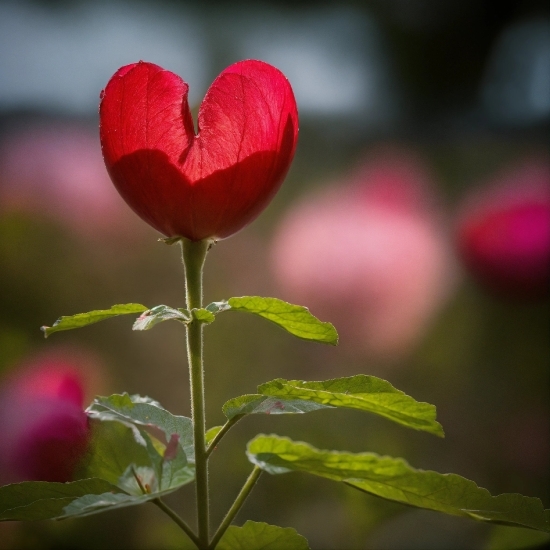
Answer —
(167, 510)
(239, 501)
(194, 254)
(226, 427)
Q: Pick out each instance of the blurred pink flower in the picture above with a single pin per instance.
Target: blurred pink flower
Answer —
(43, 428)
(369, 254)
(503, 231)
(56, 171)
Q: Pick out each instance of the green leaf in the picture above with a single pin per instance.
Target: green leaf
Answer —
(120, 453)
(262, 404)
(37, 500)
(145, 412)
(294, 319)
(123, 448)
(261, 536)
(176, 471)
(361, 392)
(211, 434)
(203, 315)
(113, 448)
(120, 450)
(94, 504)
(148, 319)
(394, 479)
(83, 319)
(124, 466)
(218, 307)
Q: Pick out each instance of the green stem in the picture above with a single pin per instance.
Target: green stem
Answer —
(225, 428)
(168, 511)
(194, 254)
(239, 501)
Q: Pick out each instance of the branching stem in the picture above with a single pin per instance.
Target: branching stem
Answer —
(225, 428)
(168, 511)
(236, 506)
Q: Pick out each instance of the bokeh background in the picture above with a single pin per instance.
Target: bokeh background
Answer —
(417, 118)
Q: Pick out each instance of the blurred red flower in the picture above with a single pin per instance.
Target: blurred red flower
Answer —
(54, 170)
(44, 430)
(503, 231)
(204, 185)
(369, 253)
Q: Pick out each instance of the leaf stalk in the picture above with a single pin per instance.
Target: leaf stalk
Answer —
(236, 506)
(225, 428)
(169, 512)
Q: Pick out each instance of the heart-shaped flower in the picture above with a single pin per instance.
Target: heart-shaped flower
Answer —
(211, 183)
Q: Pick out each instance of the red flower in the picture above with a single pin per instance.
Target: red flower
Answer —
(503, 232)
(208, 184)
(44, 430)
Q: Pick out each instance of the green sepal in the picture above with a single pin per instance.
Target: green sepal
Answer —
(255, 534)
(83, 319)
(394, 479)
(170, 240)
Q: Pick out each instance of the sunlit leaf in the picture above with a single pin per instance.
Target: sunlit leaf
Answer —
(114, 447)
(145, 412)
(176, 472)
(262, 404)
(218, 307)
(123, 446)
(83, 319)
(362, 392)
(37, 500)
(294, 319)
(203, 315)
(261, 536)
(94, 504)
(395, 480)
(129, 457)
(123, 468)
(148, 319)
